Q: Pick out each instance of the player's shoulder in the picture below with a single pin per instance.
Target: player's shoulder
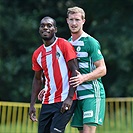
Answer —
(62, 40)
(90, 41)
(38, 50)
(89, 38)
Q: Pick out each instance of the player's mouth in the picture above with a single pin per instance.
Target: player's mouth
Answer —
(45, 33)
(74, 27)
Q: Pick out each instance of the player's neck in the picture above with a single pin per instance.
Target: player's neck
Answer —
(49, 42)
(75, 36)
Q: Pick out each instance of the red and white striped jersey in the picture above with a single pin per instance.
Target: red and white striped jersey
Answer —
(53, 61)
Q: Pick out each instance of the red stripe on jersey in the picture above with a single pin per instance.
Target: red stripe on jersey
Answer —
(57, 75)
(44, 65)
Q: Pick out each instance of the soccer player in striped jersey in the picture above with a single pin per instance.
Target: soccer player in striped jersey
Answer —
(56, 59)
(90, 108)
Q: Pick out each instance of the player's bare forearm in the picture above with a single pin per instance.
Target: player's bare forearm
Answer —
(36, 87)
(99, 72)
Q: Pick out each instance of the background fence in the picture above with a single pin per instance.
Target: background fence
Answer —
(118, 118)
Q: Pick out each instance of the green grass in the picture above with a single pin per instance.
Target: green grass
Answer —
(18, 128)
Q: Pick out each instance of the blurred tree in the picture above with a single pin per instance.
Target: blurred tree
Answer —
(108, 21)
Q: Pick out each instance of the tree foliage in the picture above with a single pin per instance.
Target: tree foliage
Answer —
(110, 22)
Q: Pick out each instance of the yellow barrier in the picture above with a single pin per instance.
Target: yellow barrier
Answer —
(118, 118)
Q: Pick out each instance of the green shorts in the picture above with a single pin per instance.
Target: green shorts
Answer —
(89, 111)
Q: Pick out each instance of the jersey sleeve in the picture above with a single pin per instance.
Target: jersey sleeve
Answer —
(68, 50)
(95, 50)
(35, 65)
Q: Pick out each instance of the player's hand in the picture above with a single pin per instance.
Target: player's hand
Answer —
(66, 104)
(32, 114)
(41, 94)
(76, 80)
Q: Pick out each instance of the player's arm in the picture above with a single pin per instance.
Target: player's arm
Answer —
(72, 65)
(100, 71)
(41, 93)
(36, 87)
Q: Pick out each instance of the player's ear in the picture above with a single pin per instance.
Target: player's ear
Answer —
(84, 21)
(67, 20)
(55, 29)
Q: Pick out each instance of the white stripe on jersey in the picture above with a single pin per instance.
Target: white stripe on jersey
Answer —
(82, 54)
(39, 59)
(83, 65)
(50, 72)
(80, 43)
(84, 87)
(86, 96)
(97, 92)
(63, 69)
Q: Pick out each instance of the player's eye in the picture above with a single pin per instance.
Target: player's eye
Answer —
(41, 25)
(77, 20)
(49, 25)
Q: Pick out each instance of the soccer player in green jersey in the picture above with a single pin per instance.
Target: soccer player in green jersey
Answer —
(90, 109)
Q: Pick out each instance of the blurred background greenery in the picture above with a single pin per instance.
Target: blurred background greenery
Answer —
(109, 21)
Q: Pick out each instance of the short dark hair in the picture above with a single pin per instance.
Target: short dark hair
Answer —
(54, 22)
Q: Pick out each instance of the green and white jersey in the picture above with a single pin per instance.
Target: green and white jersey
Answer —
(88, 52)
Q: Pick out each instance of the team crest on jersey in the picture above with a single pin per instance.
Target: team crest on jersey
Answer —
(57, 55)
(78, 48)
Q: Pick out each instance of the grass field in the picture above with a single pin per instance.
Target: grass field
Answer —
(33, 129)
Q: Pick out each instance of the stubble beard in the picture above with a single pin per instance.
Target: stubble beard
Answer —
(75, 32)
(47, 38)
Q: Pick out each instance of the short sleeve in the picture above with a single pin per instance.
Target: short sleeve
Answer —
(35, 65)
(95, 51)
